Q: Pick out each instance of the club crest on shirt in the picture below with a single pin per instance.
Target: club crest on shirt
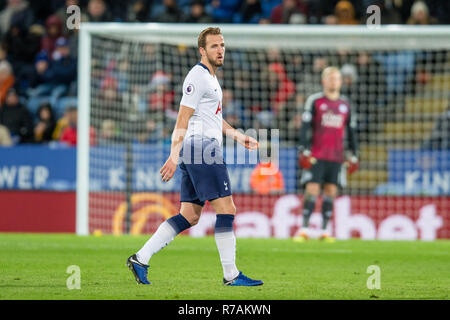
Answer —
(343, 108)
(189, 89)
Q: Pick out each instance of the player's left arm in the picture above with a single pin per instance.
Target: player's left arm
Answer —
(247, 141)
(352, 163)
(351, 133)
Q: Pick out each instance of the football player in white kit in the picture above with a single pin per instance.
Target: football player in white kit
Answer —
(197, 142)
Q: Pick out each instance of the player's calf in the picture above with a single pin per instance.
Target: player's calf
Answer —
(309, 204)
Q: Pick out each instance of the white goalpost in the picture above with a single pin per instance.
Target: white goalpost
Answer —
(129, 79)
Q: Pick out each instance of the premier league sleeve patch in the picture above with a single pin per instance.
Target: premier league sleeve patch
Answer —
(189, 89)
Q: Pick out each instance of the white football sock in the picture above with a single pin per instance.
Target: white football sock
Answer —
(226, 244)
(161, 238)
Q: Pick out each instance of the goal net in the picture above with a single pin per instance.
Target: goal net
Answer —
(396, 77)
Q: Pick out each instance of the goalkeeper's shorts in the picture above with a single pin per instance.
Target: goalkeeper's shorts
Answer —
(323, 172)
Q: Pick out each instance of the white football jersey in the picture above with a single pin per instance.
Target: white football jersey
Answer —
(202, 92)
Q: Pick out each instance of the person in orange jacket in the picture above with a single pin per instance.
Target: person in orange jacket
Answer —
(266, 178)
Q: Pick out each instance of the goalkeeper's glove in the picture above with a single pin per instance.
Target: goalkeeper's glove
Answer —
(352, 164)
(306, 161)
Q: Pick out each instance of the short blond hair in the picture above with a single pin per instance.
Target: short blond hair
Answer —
(202, 37)
(329, 70)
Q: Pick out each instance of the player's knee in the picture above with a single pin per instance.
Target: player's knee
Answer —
(313, 189)
(330, 190)
(224, 206)
(193, 220)
(232, 208)
(191, 216)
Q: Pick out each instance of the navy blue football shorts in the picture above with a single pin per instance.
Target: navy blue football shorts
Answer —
(204, 172)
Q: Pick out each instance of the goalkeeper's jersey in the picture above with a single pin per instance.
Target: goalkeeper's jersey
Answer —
(202, 92)
(329, 121)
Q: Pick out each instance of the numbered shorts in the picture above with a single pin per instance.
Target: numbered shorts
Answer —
(204, 174)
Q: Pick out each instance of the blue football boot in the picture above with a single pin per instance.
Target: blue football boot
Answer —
(139, 270)
(242, 280)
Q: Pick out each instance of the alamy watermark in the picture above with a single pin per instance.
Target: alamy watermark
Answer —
(200, 150)
(74, 17)
(374, 280)
(374, 20)
(74, 280)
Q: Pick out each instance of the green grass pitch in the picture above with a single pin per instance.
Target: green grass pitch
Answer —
(33, 266)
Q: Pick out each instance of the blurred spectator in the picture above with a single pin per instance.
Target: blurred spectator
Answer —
(18, 10)
(284, 87)
(440, 10)
(295, 121)
(250, 12)
(310, 78)
(264, 21)
(54, 27)
(3, 52)
(138, 11)
(168, 11)
(390, 13)
(69, 133)
(120, 73)
(197, 13)
(161, 96)
(371, 75)
(222, 11)
(440, 135)
(16, 118)
(5, 137)
(62, 123)
(21, 45)
(149, 131)
(43, 131)
(6, 80)
(98, 12)
(55, 76)
(420, 14)
(345, 13)
(289, 11)
(108, 133)
(349, 74)
(110, 102)
(399, 71)
(321, 10)
(330, 20)
(266, 177)
(233, 111)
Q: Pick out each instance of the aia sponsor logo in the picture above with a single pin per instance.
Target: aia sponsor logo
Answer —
(219, 109)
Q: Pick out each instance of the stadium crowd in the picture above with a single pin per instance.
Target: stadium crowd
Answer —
(38, 65)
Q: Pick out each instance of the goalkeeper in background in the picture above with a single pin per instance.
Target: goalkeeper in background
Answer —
(327, 120)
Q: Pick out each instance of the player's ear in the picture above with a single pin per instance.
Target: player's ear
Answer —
(202, 51)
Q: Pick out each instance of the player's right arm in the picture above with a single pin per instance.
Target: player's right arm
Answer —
(192, 93)
(168, 169)
(306, 128)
